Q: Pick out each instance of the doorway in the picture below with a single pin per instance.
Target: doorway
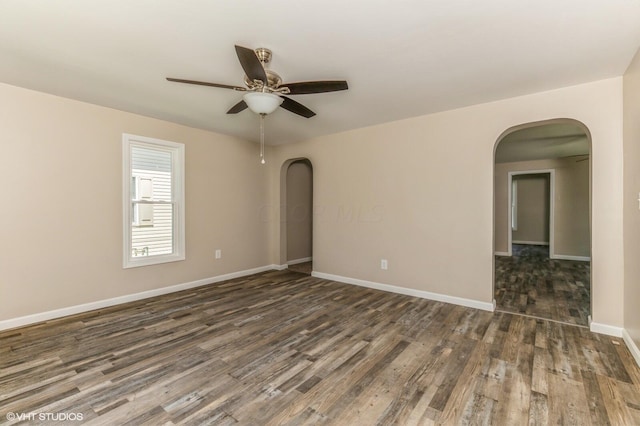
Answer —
(542, 203)
(531, 219)
(298, 220)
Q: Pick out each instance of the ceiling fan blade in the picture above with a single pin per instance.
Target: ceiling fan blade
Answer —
(305, 87)
(240, 106)
(204, 83)
(251, 64)
(296, 107)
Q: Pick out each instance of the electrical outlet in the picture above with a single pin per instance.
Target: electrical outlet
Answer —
(218, 254)
(383, 264)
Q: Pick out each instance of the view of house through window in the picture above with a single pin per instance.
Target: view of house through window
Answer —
(154, 225)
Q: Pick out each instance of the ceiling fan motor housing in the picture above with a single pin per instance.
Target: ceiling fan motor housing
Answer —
(273, 80)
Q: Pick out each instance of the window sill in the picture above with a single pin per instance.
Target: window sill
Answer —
(151, 260)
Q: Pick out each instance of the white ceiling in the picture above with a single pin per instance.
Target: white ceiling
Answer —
(554, 140)
(402, 58)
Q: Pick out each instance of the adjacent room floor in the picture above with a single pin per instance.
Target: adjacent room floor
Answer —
(532, 284)
(284, 348)
(303, 268)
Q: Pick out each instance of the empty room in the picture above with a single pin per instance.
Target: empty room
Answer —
(344, 213)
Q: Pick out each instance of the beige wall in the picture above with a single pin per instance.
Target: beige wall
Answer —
(631, 195)
(299, 210)
(571, 200)
(419, 192)
(61, 220)
(532, 209)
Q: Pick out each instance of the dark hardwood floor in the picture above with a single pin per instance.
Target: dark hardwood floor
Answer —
(303, 268)
(531, 283)
(285, 348)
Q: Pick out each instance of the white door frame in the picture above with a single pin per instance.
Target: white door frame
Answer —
(552, 179)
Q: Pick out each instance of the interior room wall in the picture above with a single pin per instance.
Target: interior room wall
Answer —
(532, 209)
(299, 210)
(61, 221)
(419, 193)
(571, 216)
(631, 196)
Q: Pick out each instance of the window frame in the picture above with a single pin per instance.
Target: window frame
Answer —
(178, 200)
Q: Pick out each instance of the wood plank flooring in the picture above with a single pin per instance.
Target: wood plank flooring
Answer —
(285, 348)
(532, 284)
(303, 268)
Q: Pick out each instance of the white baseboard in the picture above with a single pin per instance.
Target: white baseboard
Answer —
(609, 330)
(633, 348)
(531, 243)
(279, 267)
(77, 309)
(569, 257)
(485, 306)
(502, 253)
(301, 260)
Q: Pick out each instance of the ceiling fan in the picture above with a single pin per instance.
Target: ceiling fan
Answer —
(264, 88)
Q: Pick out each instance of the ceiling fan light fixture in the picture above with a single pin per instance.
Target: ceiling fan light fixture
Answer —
(262, 102)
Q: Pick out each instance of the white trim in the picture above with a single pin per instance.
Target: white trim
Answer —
(552, 196)
(279, 267)
(633, 348)
(502, 253)
(77, 309)
(568, 257)
(531, 243)
(609, 330)
(301, 260)
(514, 205)
(408, 291)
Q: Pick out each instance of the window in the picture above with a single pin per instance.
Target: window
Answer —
(153, 201)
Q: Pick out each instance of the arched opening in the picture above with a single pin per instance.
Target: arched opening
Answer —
(542, 221)
(296, 225)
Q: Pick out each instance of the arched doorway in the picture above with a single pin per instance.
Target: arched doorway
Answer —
(542, 221)
(297, 215)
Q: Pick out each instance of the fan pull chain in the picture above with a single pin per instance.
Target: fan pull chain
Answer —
(262, 138)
